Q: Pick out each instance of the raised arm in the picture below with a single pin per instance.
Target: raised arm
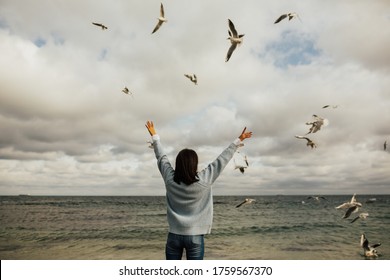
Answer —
(214, 169)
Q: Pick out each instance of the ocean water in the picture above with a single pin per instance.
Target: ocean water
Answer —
(118, 228)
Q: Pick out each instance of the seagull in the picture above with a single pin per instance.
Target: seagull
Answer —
(316, 124)
(100, 25)
(126, 91)
(349, 204)
(192, 77)
(161, 19)
(151, 145)
(369, 250)
(385, 146)
(309, 141)
(234, 38)
(351, 210)
(289, 15)
(333, 106)
(316, 197)
(240, 167)
(361, 216)
(245, 158)
(246, 201)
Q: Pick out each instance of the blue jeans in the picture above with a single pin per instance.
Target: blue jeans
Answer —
(193, 245)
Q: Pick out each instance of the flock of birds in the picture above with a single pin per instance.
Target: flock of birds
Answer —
(351, 207)
(315, 124)
(235, 38)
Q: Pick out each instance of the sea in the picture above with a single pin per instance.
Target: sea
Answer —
(281, 227)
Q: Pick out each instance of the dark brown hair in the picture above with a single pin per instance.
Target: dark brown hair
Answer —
(186, 167)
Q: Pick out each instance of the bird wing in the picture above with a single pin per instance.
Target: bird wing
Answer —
(376, 245)
(97, 24)
(354, 220)
(326, 106)
(162, 10)
(188, 76)
(350, 210)
(280, 18)
(364, 242)
(232, 28)
(242, 203)
(230, 51)
(159, 23)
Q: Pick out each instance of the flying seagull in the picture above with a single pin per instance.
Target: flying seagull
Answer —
(369, 250)
(192, 78)
(309, 143)
(327, 106)
(349, 204)
(316, 197)
(245, 158)
(246, 201)
(235, 39)
(240, 167)
(361, 216)
(351, 210)
(316, 124)
(289, 15)
(126, 91)
(151, 145)
(385, 146)
(161, 19)
(100, 25)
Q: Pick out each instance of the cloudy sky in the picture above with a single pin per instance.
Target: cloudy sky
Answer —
(67, 128)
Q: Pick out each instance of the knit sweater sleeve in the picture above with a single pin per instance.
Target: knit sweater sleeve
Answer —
(214, 169)
(163, 162)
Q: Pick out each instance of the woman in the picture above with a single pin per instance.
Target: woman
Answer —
(189, 196)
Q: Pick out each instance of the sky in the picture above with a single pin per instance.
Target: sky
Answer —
(68, 129)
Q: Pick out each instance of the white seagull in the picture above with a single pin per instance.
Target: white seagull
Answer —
(349, 204)
(150, 144)
(327, 106)
(309, 143)
(125, 90)
(239, 167)
(246, 201)
(316, 124)
(245, 158)
(369, 250)
(235, 39)
(361, 216)
(289, 15)
(351, 210)
(161, 19)
(102, 26)
(192, 78)
(316, 197)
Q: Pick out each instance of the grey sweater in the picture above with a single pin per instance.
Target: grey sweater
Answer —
(190, 207)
